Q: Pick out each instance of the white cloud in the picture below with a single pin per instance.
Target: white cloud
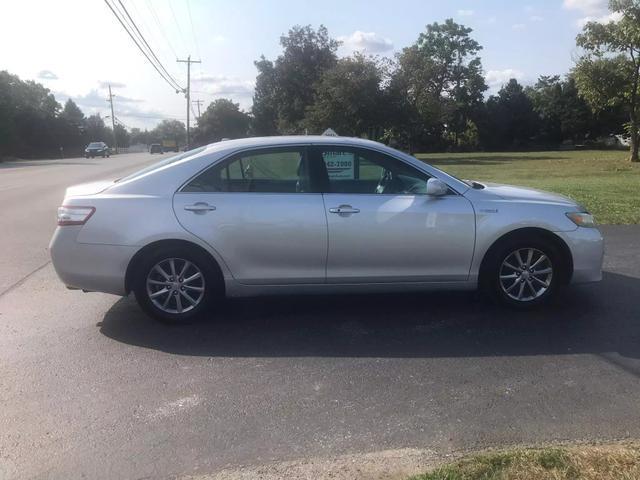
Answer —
(518, 26)
(113, 84)
(587, 7)
(536, 18)
(223, 85)
(47, 75)
(95, 101)
(497, 78)
(465, 13)
(368, 42)
(591, 11)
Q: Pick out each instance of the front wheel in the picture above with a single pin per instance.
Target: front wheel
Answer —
(525, 274)
(175, 285)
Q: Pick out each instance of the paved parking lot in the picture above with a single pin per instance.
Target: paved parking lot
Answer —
(90, 386)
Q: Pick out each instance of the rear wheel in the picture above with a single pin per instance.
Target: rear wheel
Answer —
(175, 285)
(525, 273)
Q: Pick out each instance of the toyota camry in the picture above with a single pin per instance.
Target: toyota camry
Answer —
(310, 214)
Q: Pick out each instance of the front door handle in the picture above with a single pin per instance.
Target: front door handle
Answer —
(199, 207)
(344, 210)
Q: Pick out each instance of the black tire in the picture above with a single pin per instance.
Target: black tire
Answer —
(212, 284)
(497, 281)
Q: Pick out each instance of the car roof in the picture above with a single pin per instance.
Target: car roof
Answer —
(289, 140)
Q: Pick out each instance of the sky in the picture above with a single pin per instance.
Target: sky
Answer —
(77, 48)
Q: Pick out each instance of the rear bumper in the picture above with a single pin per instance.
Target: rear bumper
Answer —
(99, 268)
(587, 250)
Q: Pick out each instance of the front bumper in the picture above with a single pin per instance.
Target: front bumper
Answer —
(94, 267)
(587, 250)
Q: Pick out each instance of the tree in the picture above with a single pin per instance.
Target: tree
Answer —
(123, 139)
(286, 87)
(221, 119)
(169, 130)
(28, 118)
(264, 110)
(72, 125)
(97, 131)
(562, 113)
(348, 98)
(509, 119)
(439, 82)
(139, 137)
(608, 74)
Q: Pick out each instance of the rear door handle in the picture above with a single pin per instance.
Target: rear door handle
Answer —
(199, 207)
(344, 210)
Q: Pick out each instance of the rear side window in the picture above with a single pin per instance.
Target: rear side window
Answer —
(283, 170)
(162, 163)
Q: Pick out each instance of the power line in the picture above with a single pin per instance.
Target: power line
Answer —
(193, 30)
(113, 10)
(175, 19)
(157, 21)
(147, 45)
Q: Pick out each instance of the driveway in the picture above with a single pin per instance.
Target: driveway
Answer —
(90, 387)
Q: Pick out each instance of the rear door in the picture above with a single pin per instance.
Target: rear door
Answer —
(262, 213)
(384, 228)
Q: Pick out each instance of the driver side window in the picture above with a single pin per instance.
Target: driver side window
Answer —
(355, 170)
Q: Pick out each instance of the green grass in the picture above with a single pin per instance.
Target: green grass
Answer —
(613, 462)
(605, 182)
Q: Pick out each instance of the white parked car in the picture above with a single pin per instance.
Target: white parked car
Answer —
(314, 214)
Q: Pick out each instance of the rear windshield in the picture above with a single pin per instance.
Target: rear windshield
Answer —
(162, 163)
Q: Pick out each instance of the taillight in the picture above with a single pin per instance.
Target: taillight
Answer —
(72, 215)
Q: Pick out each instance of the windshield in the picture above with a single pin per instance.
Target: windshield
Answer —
(466, 182)
(162, 163)
(95, 144)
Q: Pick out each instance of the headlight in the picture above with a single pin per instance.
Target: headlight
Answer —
(582, 219)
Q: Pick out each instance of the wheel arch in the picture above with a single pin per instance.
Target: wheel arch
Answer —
(528, 233)
(139, 256)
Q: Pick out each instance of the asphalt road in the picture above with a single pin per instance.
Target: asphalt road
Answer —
(89, 387)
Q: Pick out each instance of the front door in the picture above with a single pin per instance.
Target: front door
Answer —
(383, 227)
(258, 210)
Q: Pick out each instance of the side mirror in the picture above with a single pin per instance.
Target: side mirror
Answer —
(436, 187)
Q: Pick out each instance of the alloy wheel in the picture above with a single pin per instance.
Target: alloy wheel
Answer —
(175, 285)
(525, 274)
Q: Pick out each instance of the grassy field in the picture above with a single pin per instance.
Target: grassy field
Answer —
(615, 462)
(603, 181)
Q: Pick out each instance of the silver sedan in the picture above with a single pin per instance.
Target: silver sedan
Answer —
(314, 215)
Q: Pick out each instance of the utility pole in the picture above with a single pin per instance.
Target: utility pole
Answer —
(187, 92)
(113, 120)
(198, 102)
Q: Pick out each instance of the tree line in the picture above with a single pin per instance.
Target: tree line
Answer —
(432, 96)
(34, 125)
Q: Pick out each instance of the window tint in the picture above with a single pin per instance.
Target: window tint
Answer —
(266, 171)
(353, 170)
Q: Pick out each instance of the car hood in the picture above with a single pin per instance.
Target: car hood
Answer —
(525, 194)
(88, 188)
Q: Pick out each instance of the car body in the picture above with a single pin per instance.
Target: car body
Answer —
(306, 214)
(156, 148)
(97, 149)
